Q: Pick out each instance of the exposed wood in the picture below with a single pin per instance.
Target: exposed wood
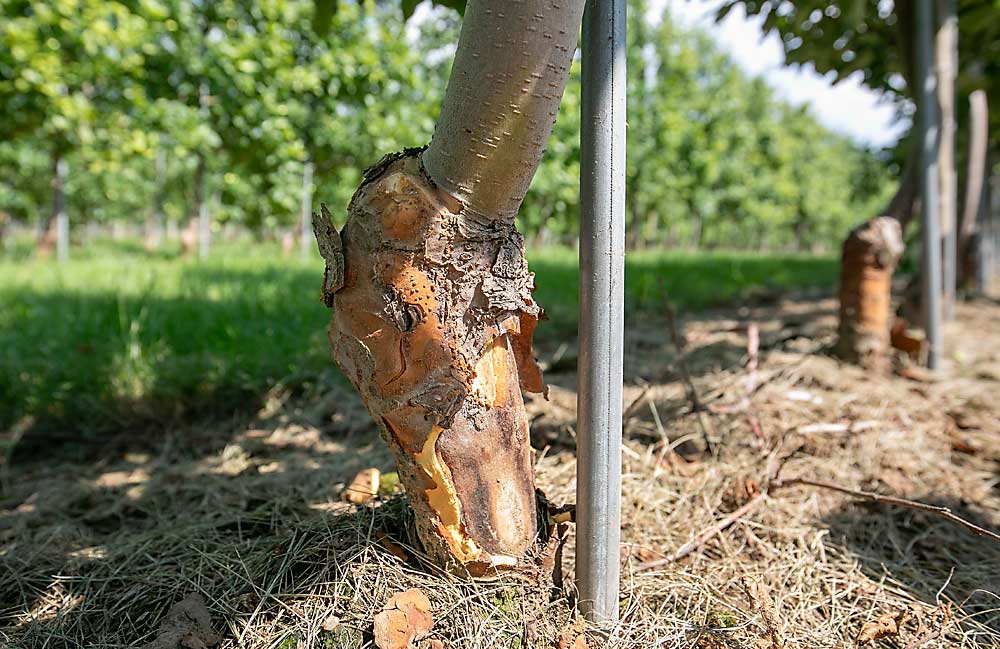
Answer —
(431, 295)
(433, 325)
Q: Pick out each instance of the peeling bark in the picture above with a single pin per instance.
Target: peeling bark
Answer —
(431, 295)
(432, 322)
(870, 255)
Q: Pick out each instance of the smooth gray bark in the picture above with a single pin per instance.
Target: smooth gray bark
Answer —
(503, 95)
(976, 173)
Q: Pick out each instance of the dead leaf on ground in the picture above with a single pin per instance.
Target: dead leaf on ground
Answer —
(671, 461)
(888, 624)
(331, 622)
(648, 554)
(580, 642)
(405, 619)
(572, 636)
(763, 606)
(187, 625)
(394, 548)
(363, 487)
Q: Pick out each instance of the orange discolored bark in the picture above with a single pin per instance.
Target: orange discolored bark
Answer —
(432, 322)
(870, 255)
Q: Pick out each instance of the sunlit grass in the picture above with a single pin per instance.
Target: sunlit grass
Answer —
(117, 336)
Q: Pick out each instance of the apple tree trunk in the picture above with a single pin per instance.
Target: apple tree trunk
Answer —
(431, 295)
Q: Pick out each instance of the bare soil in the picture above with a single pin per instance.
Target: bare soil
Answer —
(244, 520)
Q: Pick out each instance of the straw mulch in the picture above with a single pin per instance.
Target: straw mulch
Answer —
(236, 535)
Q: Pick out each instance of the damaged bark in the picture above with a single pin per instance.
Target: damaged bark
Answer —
(432, 322)
(869, 257)
(431, 295)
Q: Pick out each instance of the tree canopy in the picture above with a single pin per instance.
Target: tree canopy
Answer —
(873, 39)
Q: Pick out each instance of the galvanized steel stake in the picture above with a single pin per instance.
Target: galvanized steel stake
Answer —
(602, 275)
(930, 205)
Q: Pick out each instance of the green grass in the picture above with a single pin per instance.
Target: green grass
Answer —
(693, 281)
(117, 337)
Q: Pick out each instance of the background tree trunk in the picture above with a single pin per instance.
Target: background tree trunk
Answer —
(154, 225)
(431, 294)
(204, 219)
(305, 225)
(975, 186)
(986, 239)
(946, 64)
(55, 231)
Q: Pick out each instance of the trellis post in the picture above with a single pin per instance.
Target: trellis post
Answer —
(602, 275)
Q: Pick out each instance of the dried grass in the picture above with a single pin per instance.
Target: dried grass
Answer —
(95, 550)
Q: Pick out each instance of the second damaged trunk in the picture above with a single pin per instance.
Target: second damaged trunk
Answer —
(433, 319)
(869, 257)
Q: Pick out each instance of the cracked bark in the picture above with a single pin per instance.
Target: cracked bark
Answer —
(431, 294)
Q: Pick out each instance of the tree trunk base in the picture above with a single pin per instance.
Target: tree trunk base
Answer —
(432, 322)
(869, 258)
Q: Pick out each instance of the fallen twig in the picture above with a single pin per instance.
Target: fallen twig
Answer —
(697, 406)
(631, 408)
(775, 483)
(942, 512)
(753, 355)
(836, 427)
(706, 535)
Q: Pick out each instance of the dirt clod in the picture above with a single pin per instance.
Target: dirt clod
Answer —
(187, 625)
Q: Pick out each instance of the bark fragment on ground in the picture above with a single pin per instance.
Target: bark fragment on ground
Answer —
(432, 322)
(869, 257)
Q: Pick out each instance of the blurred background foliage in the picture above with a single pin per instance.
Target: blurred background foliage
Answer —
(139, 97)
